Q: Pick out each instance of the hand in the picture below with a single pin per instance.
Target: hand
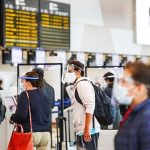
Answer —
(87, 136)
(10, 121)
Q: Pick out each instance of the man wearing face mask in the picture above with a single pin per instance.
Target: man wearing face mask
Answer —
(109, 78)
(134, 90)
(87, 137)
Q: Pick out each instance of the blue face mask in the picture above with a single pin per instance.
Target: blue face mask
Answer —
(121, 95)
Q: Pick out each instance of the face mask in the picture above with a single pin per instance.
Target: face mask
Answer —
(70, 77)
(121, 95)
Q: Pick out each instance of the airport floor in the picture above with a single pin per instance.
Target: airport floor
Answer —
(106, 140)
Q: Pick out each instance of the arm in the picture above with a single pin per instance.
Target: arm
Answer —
(22, 109)
(87, 136)
(87, 95)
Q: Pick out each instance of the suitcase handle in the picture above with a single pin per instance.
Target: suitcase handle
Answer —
(57, 121)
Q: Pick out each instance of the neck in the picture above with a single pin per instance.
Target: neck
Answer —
(31, 88)
(139, 100)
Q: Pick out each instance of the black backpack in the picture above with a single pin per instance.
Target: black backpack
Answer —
(2, 111)
(104, 110)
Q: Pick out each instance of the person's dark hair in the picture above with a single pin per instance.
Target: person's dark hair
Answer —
(35, 82)
(140, 73)
(109, 76)
(77, 66)
(39, 71)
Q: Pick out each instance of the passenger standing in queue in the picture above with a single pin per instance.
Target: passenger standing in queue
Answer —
(109, 78)
(134, 90)
(87, 136)
(39, 111)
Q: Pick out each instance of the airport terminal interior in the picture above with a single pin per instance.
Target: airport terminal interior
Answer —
(102, 34)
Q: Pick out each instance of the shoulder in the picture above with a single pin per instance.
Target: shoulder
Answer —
(146, 109)
(84, 85)
(23, 94)
(48, 86)
(143, 113)
(82, 82)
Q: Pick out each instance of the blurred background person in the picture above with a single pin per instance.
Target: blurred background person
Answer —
(48, 91)
(40, 111)
(134, 90)
(109, 78)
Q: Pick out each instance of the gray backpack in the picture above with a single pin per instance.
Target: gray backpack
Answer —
(104, 110)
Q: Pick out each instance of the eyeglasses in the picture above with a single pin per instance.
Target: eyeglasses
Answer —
(126, 80)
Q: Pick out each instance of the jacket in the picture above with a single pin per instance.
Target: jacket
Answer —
(40, 111)
(49, 92)
(135, 132)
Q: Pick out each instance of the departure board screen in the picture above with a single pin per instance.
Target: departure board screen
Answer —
(55, 25)
(35, 23)
(21, 23)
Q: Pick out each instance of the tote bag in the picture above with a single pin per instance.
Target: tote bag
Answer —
(21, 140)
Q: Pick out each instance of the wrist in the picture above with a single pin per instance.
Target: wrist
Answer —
(87, 128)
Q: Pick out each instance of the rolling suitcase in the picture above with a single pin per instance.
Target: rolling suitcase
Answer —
(60, 122)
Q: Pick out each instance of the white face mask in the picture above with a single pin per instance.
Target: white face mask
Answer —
(121, 94)
(70, 77)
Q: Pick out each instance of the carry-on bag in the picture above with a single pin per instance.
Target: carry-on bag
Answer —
(61, 121)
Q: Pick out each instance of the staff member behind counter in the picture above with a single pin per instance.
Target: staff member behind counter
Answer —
(40, 111)
(134, 90)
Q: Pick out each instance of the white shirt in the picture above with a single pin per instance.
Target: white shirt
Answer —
(87, 96)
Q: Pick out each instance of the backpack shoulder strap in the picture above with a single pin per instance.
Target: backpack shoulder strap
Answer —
(76, 92)
(80, 81)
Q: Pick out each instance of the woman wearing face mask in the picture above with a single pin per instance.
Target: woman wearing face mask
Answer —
(134, 90)
(40, 111)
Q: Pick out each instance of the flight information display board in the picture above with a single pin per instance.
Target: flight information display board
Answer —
(21, 24)
(55, 25)
(35, 23)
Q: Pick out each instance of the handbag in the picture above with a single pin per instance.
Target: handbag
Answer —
(21, 140)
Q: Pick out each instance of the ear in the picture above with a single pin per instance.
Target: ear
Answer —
(79, 72)
(141, 88)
